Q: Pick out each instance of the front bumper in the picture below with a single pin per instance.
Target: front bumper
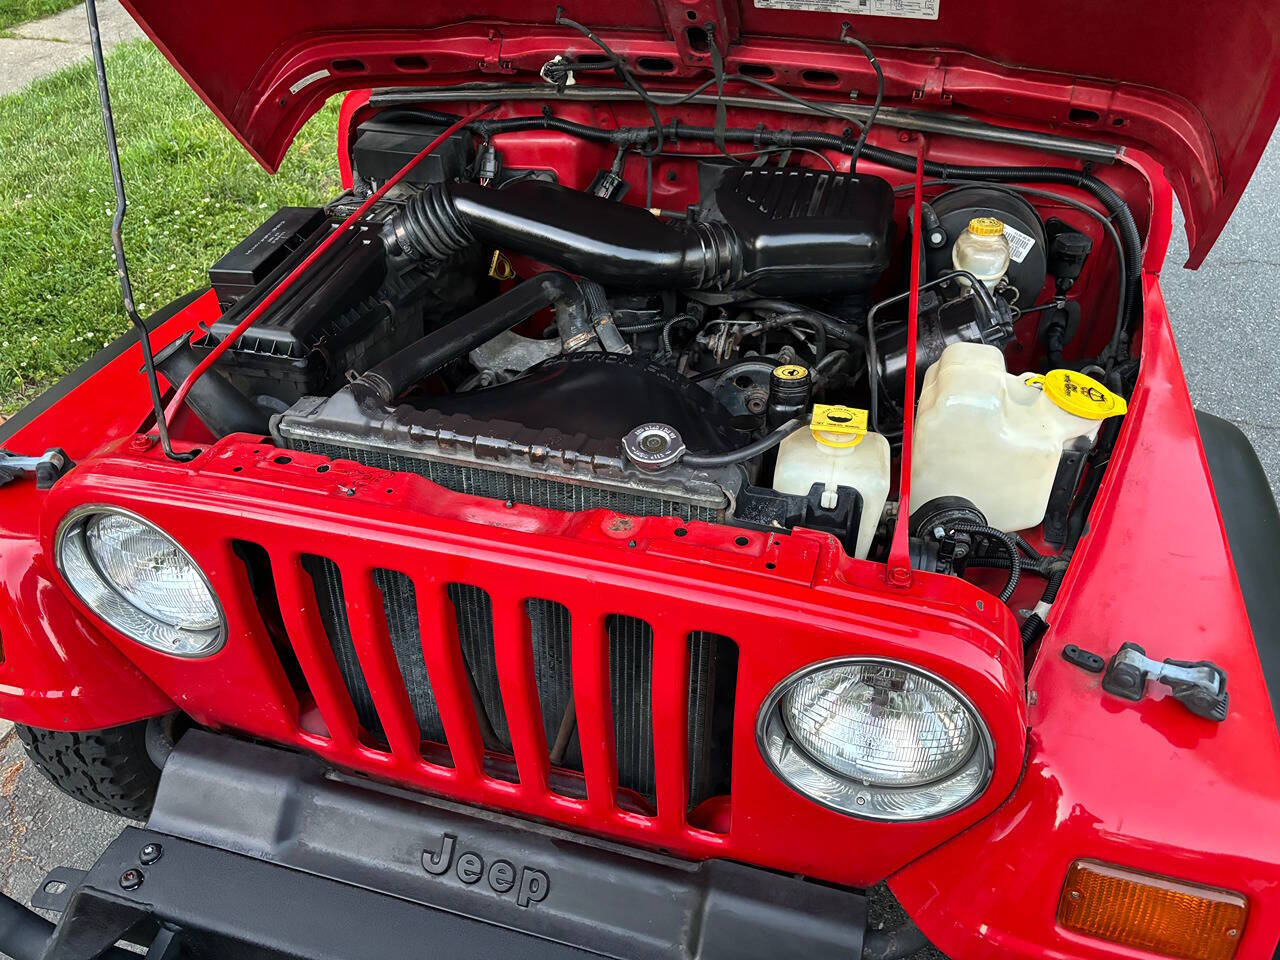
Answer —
(252, 851)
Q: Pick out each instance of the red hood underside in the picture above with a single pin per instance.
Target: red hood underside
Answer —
(1195, 84)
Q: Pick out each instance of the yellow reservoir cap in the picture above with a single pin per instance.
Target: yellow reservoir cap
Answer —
(986, 227)
(835, 425)
(1080, 395)
(791, 371)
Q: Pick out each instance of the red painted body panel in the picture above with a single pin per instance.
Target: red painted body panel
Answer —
(1197, 88)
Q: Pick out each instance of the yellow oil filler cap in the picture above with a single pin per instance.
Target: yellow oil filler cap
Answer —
(1079, 394)
(834, 425)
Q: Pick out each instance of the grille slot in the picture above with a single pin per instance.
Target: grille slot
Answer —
(400, 607)
(549, 631)
(473, 611)
(630, 692)
(327, 581)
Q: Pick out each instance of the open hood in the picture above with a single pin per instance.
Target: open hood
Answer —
(1194, 84)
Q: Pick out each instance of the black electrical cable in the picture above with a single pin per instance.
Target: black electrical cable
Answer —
(819, 331)
(749, 452)
(763, 152)
(620, 68)
(875, 108)
(1010, 545)
(670, 325)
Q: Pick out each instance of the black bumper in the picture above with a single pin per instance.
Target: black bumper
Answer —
(255, 852)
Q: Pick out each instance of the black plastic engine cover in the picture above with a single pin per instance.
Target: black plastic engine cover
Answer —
(804, 231)
(602, 395)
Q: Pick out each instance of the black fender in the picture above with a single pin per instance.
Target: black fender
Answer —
(1252, 522)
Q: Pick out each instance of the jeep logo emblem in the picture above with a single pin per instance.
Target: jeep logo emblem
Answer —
(530, 885)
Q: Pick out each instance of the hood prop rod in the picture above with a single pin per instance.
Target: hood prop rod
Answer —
(117, 236)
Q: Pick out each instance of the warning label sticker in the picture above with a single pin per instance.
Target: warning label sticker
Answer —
(910, 9)
(1019, 243)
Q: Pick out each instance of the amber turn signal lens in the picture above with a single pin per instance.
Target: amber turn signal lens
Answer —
(1158, 914)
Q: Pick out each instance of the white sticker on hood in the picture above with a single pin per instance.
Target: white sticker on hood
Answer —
(910, 9)
(1019, 243)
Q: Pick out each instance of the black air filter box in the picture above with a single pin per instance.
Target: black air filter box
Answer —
(803, 231)
(244, 267)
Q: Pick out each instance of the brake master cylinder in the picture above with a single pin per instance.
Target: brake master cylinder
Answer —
(838, 451)
(983, 250)
(994, 438)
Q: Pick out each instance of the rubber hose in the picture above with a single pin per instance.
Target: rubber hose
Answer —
(749, 452)
(834, 328)
(893, 944)
(417, 361)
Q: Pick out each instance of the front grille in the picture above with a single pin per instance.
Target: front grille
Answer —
(630, 642)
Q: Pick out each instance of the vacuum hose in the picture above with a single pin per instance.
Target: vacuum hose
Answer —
(622, 247)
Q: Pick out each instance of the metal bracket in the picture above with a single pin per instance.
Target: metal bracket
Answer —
(46, 468)
(1200, 685)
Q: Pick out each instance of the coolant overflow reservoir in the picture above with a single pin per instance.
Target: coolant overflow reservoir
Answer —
(838, 451)
(983, 250)
(996, 439)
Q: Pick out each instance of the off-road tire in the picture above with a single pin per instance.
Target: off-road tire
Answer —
(107, 769)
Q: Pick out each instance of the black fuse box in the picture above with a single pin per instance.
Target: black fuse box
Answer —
(242, 269)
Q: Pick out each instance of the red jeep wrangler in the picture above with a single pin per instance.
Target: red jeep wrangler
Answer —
(718, 483)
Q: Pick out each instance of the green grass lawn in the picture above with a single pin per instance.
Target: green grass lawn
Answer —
(193, 194)
(14, 12)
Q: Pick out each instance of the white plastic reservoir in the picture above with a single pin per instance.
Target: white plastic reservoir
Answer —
(996, 439)
(837, 451)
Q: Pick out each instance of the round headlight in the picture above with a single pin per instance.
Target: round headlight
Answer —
(136, 578)
(876, 739)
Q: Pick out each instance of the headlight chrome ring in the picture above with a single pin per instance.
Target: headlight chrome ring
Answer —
(840, 732)
(139, 580)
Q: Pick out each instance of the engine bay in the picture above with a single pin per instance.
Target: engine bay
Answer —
(577, 310)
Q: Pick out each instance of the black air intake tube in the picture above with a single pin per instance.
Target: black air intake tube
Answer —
(622, 247)
(218, 403)
(423, 357)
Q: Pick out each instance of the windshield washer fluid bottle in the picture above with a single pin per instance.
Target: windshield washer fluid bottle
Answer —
(837, 451)
(994, 438)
